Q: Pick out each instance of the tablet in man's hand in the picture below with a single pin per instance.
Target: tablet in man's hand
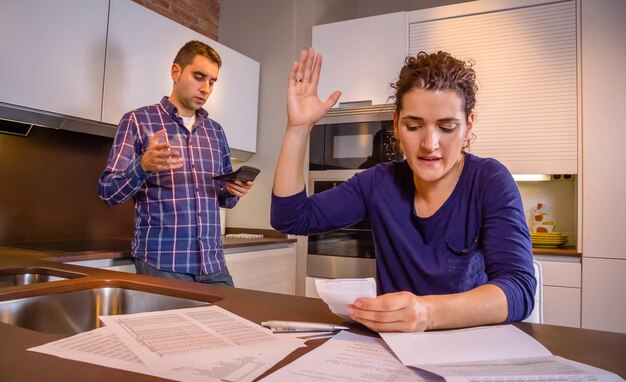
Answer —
(244, 173)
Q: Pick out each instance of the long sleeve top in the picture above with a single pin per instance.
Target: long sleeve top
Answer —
(177, 223)
(479, 235)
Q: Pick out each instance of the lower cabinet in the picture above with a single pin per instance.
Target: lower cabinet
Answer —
(561, 290)
(268, 270)
(120, 265)
(603, 302)
(561, 306)
(310, 288)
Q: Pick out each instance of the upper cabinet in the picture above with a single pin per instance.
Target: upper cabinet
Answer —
(361, 57)
(99, 59)
(525, 54)
(526, 64)
(53, 55)
(140, 51)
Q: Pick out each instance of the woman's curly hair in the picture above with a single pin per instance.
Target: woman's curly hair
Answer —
(437, 71)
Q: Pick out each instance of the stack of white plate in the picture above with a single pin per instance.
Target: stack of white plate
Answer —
(548, 240)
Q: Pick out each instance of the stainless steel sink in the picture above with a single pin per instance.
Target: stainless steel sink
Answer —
(77, 311)
(28, 276)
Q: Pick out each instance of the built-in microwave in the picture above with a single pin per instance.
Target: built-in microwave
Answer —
(353, 138)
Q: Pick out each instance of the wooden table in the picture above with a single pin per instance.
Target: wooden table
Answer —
(605, 350)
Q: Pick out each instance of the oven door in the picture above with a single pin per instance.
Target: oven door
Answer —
(343, 253)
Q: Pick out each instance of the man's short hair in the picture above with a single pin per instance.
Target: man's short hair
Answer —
(193, 48)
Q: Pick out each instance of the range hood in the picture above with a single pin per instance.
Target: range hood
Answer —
(17, 120)
(28, 117)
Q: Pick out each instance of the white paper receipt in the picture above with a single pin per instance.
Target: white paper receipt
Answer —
(339, 293)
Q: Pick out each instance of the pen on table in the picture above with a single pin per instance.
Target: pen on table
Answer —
(298, 326)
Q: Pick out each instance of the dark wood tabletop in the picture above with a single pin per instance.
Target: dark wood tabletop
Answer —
(605, 350)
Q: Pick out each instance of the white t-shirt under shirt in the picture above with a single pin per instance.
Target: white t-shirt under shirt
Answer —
(189, 121)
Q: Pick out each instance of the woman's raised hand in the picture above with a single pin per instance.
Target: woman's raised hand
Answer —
(304, 108)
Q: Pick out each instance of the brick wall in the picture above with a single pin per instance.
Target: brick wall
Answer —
(200, 15)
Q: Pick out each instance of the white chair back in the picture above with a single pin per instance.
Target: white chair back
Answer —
(536, 316)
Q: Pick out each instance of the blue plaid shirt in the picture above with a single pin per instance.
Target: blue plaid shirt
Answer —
(177, 222)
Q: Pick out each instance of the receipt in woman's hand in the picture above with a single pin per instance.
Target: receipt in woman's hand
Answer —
(339, 293)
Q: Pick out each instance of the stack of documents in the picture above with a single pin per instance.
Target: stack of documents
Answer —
(497, 353)
(493, 353)
(197, 344)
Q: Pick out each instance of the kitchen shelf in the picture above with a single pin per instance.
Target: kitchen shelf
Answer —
(565, 251)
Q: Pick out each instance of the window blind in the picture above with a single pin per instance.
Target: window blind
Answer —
(526, 63)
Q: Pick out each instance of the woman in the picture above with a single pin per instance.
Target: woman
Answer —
(452, 246)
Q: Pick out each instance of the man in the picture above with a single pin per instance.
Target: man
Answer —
(164, 156)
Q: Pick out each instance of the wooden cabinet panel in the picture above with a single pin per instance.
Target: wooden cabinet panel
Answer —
(272, 270)
(604, 178)
(138, 65)
(53, 55)
(604, 288)
(527, 104)
(311, 289)
(603, 93)
(561, 291)
(561, 306)
(361, 57)
(561, 274)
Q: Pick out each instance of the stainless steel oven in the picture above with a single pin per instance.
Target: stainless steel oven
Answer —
(343, 143)
(343, 253)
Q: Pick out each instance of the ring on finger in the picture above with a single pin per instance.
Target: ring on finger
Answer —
(298, 79)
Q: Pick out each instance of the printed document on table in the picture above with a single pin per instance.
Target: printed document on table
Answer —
(339, 293)
(544, 369)
(167, 340)
(102, 347)
(490, 353)
(349, 357)
(481, 343)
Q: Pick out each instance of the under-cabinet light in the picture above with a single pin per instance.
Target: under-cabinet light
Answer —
(531, 177)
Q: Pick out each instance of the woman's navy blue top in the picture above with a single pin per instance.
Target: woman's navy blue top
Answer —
(478, 236)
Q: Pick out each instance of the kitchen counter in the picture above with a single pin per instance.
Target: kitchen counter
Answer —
(601, 349)
(565, 251)
(117, 248)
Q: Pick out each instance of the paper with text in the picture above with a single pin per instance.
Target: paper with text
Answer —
(102, 347)
(544, 369)
(170, 339)
(488, 353)
(349, 357)
(339, 293)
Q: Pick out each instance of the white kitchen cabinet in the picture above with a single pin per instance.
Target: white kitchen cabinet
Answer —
(361, 57)
(126, 264)
(53, 55)
(604, 179)
(268, 270)
(311, 288)
(561, 306)
(561, 290)
(525, 58)
(604, 288)
(141, 48)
